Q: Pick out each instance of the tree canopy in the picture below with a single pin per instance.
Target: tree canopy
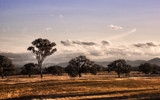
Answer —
(55, 70)
(29, 69)
(120, 67)
(6, 66)
(146, 68)
(79, 65)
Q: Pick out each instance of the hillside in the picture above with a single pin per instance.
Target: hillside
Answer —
(154, 61)
(135, 62)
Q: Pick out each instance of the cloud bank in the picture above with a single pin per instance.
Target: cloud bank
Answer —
(102, 50)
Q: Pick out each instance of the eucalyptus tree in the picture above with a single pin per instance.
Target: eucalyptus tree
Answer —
(29, 69)
(146, 68)
(42, 48)
(55, 70)
(78, 65)
(120, 67)
(6, 66)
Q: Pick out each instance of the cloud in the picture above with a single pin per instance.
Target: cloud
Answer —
(95, 53)
(60, 16)
(67, 43)
(122, 52)
(145, 45)
(48, 28)
(105, 42)
(72, 43)
(123, 34)
(151, 44)
(114, 27)
(84, 43)
(20, 58)
(140, 45)
(63, 57)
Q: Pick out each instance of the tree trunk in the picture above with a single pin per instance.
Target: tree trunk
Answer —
(41, 74)
(80, 74)
(29, 75)
(2, 76)
(40, 65)
(118, 75)
(2, 72)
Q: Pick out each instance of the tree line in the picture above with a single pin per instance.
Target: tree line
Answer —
(76, 66)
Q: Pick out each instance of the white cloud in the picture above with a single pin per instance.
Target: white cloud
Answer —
(48, 28)
(60, 16)
(123, 34)
(127, 51)
(115, 27)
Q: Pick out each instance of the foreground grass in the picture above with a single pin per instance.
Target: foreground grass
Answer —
(83, 89)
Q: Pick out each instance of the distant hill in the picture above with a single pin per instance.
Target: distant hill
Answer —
(154, 61)
(134, 63)
(64, 64)
(20, 59)
(104, 63)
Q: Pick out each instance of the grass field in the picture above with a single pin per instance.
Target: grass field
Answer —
(103, 86)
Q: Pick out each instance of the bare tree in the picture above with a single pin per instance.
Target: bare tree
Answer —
(42, 48)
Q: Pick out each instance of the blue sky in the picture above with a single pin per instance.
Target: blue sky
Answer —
(123, 23)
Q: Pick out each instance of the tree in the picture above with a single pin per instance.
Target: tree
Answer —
(55, 70)
(146, 68)
(99, 67)
(120, 67)
(42, 48)
(6, 66)
(155, 69)
(93, 70)
(29, 69)
(78, 65)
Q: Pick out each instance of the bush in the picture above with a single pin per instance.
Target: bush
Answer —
(55, 70)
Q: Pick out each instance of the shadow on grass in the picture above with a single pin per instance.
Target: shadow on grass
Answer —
(147, 96)
(54, 96)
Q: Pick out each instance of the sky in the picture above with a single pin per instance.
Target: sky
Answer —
(100, 29)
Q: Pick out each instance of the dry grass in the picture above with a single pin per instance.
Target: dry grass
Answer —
(101, 86)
